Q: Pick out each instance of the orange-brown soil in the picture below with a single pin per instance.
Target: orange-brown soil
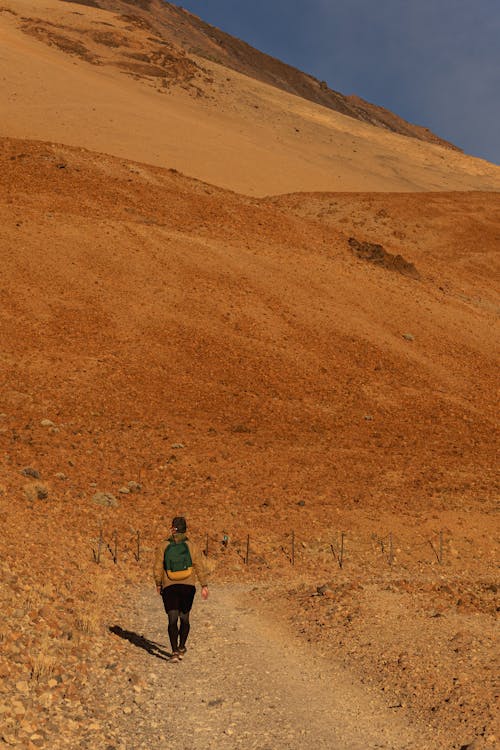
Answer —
(311, 372)
(235, 358)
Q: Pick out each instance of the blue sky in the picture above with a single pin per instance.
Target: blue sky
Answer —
(434, 62)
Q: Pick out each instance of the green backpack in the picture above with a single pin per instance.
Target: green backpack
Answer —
(177, 561)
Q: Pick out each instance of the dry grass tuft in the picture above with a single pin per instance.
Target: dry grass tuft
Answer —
(42, 667)
(88, 622)
(43, 663)
(33, 600)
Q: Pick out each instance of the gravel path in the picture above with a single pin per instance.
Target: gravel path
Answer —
(243, 684)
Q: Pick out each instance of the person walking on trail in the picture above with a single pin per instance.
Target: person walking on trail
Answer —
(177, 565)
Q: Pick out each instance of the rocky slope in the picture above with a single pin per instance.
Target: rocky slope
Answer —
(308, 376)
(171, 347)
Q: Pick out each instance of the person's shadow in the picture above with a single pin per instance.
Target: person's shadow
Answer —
(152, 647)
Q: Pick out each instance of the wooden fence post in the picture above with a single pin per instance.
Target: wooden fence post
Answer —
(341, 555)
(440, 550)
(115, 547)
(97, 554)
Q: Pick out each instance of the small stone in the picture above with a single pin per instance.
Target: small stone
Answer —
(177, 446)
(368, 417)
(36, 491)
(215, 702)
(45, 699)
(321, 590)
(60, 475)
(124, 490)
(408, 337)
(18, 711)
(29, 472)
(134, 486)
(301, 503)
(47, 423)
(242, 429)
(106, 499)
(127, 710)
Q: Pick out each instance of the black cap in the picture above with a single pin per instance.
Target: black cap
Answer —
(179, 524)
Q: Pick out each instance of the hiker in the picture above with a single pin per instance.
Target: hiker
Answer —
(177, 565)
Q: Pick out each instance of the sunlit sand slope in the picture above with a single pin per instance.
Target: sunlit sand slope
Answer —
(86, 77)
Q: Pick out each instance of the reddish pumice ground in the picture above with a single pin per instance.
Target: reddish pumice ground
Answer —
(236, 360)
(312, 374)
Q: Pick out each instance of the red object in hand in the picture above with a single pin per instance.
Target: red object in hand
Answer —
(204, 593)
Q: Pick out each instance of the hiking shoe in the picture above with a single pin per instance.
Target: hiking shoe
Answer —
(175, 657)
(181, 651)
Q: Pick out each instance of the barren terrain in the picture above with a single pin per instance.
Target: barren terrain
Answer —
(241, 363)
(107, 81)
(303, 360)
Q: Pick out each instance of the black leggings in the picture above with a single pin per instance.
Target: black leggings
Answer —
(178, 600)
(178, 635)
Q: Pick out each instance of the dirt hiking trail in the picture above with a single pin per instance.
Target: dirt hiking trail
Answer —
(242, 684)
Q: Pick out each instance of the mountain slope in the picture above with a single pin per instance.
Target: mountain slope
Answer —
(107, 81)
(164, 300)
(309, 377)
(199, 38)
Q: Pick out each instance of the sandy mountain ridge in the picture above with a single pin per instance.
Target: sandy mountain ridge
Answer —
(316, 361)
(179, 26)
(126, 82)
